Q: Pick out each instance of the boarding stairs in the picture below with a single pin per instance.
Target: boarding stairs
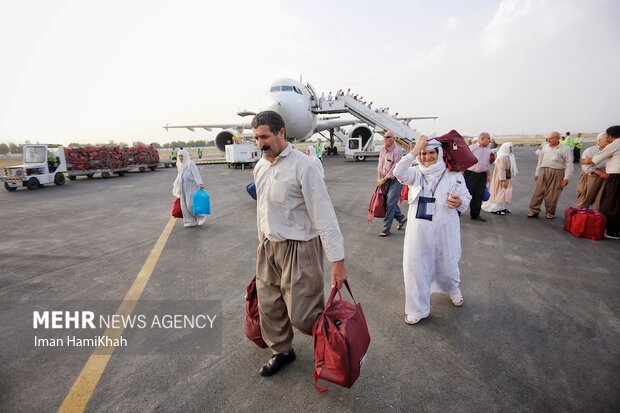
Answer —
(381, 122)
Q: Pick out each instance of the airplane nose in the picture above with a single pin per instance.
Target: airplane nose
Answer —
(275, 104)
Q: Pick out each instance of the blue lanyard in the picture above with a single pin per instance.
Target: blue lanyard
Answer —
(437, 184)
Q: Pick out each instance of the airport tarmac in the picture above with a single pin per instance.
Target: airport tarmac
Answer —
(539, 329)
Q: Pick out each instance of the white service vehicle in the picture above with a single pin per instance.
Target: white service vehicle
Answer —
(242, 154)
(43, 164)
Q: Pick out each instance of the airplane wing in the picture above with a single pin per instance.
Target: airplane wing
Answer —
(238, 126)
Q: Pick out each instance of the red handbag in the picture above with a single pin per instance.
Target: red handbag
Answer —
(176, 209)
(341, 339)
(377, 205)
(404, 193)
(252, 319)
(456, 153)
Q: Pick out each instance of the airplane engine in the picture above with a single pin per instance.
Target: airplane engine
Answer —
(361, 129)
(224, 138)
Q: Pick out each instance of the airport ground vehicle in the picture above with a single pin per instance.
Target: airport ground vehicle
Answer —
(360, 149)
(44, 164)
(242, 155)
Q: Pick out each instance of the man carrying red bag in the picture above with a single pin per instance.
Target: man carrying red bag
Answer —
(295, 220)
(389, 156)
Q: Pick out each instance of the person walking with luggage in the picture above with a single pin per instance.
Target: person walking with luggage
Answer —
(477, 176)
(432, 247)
(501, 184)
(610, 200)
(554, 168)
(592, 176)
(389, 156)
(296, 225)
(187, 183)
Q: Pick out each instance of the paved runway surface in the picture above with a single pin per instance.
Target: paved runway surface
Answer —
(539, 330)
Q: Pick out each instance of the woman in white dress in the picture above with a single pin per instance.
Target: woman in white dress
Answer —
(432, 247)
(188, 182)
(311, 152)
(501, 184)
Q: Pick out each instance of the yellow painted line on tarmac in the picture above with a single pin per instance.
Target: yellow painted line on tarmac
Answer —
(89, 377)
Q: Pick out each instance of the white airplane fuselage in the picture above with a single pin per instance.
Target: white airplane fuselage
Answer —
(293, 101)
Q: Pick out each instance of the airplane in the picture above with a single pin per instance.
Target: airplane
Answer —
(299, 106)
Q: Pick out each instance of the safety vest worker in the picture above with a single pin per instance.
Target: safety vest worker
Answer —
(50, 157)
(200, 153)
(174, 154)
(570, 142)
(319, 151)
(578, 142)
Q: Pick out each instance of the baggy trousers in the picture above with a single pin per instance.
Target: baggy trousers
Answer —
(289, 285)
(392, 189)
(548, 188)
(476, 182)
(587, 190)
(610, 204)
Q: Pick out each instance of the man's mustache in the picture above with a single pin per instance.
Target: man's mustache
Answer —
(266, 148)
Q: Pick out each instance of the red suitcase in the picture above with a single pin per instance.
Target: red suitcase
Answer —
(588, 224)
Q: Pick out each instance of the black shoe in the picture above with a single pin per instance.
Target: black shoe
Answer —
(401, 224)
(479, 218)
(276, 362)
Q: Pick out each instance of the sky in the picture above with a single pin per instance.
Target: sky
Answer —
(90, 71)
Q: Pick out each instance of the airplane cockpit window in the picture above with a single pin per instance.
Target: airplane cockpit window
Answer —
(296, 90)
(287, 88)
(275, 88)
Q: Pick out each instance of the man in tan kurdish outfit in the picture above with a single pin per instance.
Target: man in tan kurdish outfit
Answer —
(296, 221)
(592, 176)
(554, 168)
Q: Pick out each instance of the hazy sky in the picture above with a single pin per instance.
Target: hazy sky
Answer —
(86, 71)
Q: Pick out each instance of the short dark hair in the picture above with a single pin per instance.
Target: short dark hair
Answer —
(613, 131)
(269, 118)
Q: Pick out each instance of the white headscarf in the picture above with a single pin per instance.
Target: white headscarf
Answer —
(504, 150)
(436, 169)
(315, 159)
(181, 166)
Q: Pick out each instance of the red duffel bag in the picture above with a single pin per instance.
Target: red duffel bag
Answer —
(588, 224)
(176, 209)
(568, 216)
(341, 339)
(252, 320)
(456, 153)
(377, 205)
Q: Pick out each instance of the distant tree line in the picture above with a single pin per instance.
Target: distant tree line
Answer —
(11, 147)
(15, 148)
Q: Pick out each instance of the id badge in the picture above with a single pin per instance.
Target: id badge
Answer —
(426, 208)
